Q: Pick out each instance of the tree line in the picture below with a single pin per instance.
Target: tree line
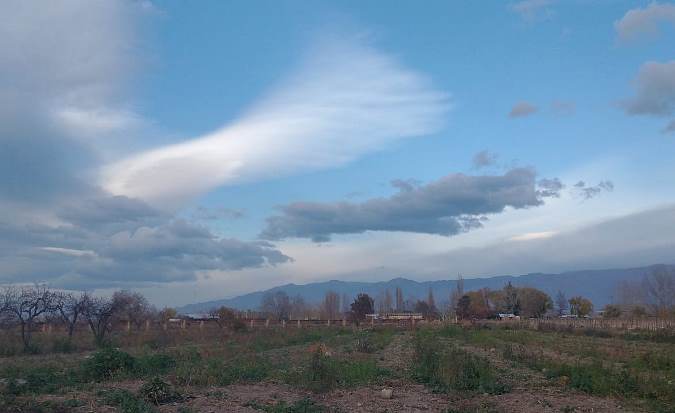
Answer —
(26, 306)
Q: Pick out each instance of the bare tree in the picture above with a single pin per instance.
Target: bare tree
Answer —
(224, 316)
(431, 302)
(26, 305)
(660, 289)
(561, 302)
(276, 304)
(388, 302)
(399, 300)
(457, 293)
(132, 307)
(331, 305)
(69, 308)
(99, 312)
(345, 304)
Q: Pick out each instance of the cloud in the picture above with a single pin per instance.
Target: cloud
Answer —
(63, 71)
(614, 243)
(213, 214)
(451, 205)
(670, 128)
(522, 109)
(588, 192)
(642, 22)
(655, 90)
(347, 99)
(533, 235)
(532, 9)
(563, 108)
(117, 241)
(484, 159)
(550, 187)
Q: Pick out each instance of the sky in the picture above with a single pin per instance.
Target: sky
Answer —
(197, 151)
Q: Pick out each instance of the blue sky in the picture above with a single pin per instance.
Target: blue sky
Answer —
(274, 125)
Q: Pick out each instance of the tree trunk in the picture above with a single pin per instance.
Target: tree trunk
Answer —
(25, 336)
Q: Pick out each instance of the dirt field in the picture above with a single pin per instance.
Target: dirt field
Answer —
(430, 369)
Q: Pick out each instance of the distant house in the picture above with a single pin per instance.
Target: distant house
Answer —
(508, 316)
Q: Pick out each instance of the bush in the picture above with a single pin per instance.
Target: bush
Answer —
(453, 368)
(126, 401)
(324, 373)
(107, 363)
(153, 364)
(159, 392)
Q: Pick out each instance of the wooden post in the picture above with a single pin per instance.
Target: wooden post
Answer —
(299, 323)
(251, 323)
(413, 322)
(201, 325)
(128, 325)
(372, 321)
(267, 322)
(328, 322)
(182, 324)
(344, 322)
(147, 325)
(164, 326)
(283, 323)
(49, 329)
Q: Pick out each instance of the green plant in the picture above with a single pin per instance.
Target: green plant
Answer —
(453, 369)
(126, 401)
(153, 364)
(108, 362)
(158, 392)
(305, 405)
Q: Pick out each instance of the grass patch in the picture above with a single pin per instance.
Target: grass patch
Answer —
(125, 401)
(446, 368)
(301, 406)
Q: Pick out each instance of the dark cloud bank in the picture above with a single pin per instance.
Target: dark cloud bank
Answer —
(113, 240)
(451, 205)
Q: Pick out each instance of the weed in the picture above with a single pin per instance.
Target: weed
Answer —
(158, 392)
(301, 406)
(125, 401)
(108, 362)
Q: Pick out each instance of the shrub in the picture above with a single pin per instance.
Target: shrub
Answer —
(158, 392)
(126, 401)
(108, 362)
(453, 368)
(153, 364)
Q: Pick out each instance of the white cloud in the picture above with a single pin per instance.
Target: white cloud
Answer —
(532, 9)
(640, 22)
(533, 235)
(347, 99)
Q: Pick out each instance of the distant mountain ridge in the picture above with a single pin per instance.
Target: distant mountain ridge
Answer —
(597, 285)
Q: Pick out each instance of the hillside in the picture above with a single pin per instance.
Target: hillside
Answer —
(598, 285)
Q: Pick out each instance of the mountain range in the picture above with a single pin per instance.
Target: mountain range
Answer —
(597, 285)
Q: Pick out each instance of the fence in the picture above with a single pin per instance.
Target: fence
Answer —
(650, 324)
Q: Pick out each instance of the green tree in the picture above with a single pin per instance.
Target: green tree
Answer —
(361, 306)
(612, 311)
(533, 302)
(580, 306)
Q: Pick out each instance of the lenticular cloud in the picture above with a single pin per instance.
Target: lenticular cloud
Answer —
(344, 101)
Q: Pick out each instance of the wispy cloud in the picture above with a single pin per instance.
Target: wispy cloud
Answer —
(347, 99)
(641, 22)
(533, 9)
(522, 109)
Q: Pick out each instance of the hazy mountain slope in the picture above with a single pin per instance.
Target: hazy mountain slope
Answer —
(598, 285)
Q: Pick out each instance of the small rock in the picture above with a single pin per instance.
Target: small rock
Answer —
(386, 393)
